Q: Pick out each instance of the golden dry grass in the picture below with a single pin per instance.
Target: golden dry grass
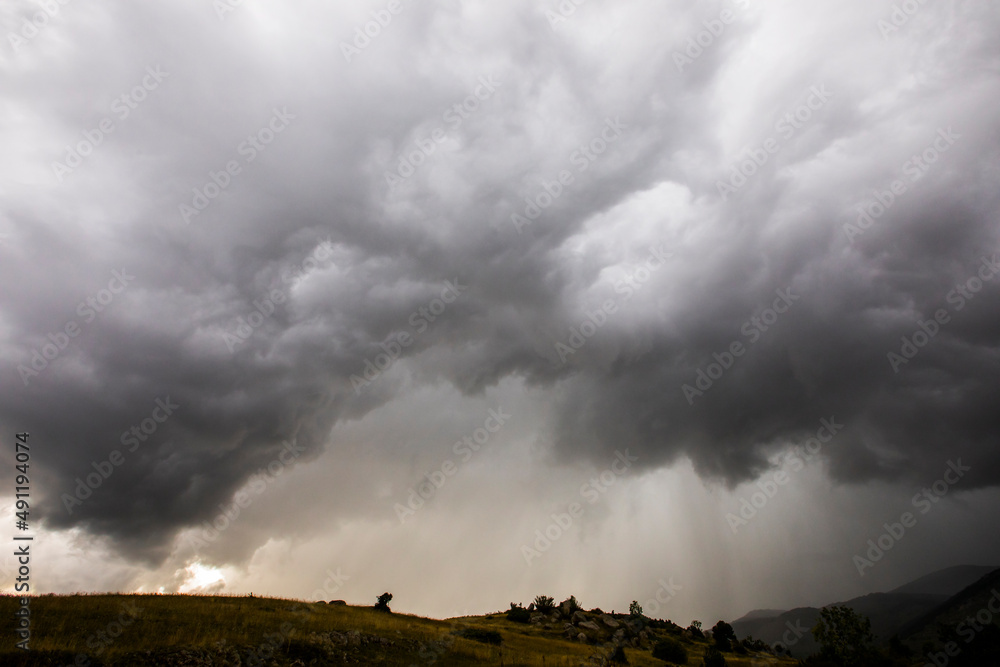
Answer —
(116, 629)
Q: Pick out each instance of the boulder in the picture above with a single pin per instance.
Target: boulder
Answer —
(579, 617)
(536, 618)
(582, 638)
(589, 625)
(339, 603)
(565, 608)
(610, 622)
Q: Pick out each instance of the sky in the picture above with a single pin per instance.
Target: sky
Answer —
(689, 303)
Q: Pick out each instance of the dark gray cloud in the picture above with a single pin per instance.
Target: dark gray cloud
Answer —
(246, 192)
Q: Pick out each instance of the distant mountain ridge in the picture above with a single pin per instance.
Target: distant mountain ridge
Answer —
(948, 581)
(966, 604)
(890, 613)
(757, 614)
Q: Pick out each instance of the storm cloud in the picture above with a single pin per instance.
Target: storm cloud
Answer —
(702, 232)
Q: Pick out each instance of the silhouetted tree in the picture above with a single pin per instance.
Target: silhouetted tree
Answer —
(383, 602)
(723, 635)
(845, 637)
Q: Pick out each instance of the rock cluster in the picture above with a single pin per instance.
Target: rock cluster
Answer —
(591, 627)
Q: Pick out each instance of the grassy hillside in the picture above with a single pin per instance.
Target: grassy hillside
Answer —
(125, 630)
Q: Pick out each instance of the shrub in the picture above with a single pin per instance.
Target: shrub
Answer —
(518, 614)
(383, 602)
(635, 609)
(713, 658)
(670, 627)
(544, 603)
(695, 630)
(483, 636)
(671, 651)
(723, 635)
(757, 645)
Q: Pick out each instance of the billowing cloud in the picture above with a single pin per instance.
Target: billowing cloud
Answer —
(704, 232)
